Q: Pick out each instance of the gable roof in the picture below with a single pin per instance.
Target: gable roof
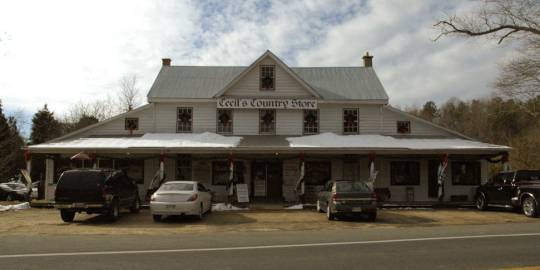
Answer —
(267, 54)
(205, 82)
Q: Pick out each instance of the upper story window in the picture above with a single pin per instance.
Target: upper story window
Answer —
(184, 119)
(224, 121)
(311, 121)
(404, 127)
(268, 78)
(132, 124)
(350, 121)
(267, 121)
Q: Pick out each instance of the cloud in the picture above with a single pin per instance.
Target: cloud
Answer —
(61, 52)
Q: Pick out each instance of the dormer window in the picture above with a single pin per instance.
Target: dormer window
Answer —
(268, 78)
(403, 127)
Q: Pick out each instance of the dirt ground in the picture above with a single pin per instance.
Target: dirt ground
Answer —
(47, 221)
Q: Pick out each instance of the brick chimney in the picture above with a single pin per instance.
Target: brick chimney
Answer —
(368, 60)
(166, 62)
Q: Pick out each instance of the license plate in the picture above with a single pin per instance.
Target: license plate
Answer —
(78, 205)
(357, 209)
(170, 206)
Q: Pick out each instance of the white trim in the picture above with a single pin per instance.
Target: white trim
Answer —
(268, 53)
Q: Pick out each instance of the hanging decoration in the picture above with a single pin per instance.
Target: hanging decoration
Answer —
(184, 117)
(230, 185)
(441, 175)
(300, 184)
(224, 117)
(372, 172)
(161, 167)
(311, 119)
(267, 82)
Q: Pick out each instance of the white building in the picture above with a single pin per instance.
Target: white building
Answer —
(268, 117)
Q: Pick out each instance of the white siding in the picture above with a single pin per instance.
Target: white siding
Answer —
(117, 126)
(246, 122)
(289, 122)
(417, 127)
(285, 86)
(204, 117)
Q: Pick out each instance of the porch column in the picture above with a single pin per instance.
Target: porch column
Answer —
(28, 158)
(49, 179)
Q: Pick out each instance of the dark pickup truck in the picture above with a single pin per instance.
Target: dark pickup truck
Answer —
(102, 191)
(518, 189)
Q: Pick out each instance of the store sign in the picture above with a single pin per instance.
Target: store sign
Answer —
(263, 103)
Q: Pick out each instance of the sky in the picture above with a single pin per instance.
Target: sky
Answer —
(64, 52)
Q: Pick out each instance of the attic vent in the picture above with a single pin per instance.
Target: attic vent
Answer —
(267, 78)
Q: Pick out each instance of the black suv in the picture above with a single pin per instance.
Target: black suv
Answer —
(518, 189)
(102, 191)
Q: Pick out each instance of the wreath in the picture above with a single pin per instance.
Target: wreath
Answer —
(268, 118)
(224, 118)
(267, 82)
(184, 117)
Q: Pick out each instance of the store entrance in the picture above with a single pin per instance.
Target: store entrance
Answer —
(267, 180)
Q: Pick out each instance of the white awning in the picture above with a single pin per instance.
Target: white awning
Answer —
(149, 140)
(331, 140)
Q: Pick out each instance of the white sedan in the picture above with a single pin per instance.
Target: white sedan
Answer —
(180, 198)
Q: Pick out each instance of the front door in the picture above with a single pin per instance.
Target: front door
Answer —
(267, 180)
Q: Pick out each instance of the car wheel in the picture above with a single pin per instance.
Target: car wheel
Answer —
(114, 211)
(481, 202)
(136, 207)
(319, 209)
(157, 218)
(67, 216)
(9, 197)
(329, 213)
(372, 216)
(529, 207)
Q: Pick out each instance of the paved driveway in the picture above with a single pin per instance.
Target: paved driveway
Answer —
(47, 221)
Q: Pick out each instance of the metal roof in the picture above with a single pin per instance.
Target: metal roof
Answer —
(331, 83)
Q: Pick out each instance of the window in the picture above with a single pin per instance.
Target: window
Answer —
(465, 173)
(224, 121)
(311, 121)
(351, 170)
(405, 173)
(267, 121)
(133, 168)
(267, 79)
(184, 119)
(221, 173)
(183, 167)
(404, 127)
(350, 121)
(317, 172)
(132, 124)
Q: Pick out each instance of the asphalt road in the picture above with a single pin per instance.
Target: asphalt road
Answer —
(444, 247)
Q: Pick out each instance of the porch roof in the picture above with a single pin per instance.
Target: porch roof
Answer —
(200, 142)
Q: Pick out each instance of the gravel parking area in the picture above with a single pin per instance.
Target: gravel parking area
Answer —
(47, 221)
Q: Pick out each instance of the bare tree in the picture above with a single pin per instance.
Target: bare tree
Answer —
(500, 19)
(129, 95)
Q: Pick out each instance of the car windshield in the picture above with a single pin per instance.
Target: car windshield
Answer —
(177, 187)
(352, 187)
(528, 175)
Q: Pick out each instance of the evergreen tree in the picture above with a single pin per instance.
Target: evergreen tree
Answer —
(11, 143)
(44, 126)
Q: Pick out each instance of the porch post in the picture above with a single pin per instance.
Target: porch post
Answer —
(28, 158)
(49, 179)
